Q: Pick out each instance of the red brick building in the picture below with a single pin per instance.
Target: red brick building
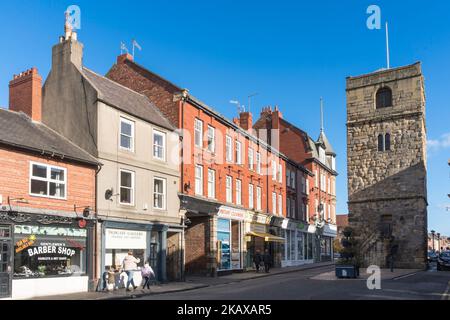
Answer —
(319, 158)
(47, 201)
(233, 184)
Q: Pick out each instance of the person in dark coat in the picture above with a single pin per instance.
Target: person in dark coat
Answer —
(267, 261)
(257, 260)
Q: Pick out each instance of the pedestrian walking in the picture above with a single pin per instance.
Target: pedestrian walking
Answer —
(267, 261)
(257, 260)
(147, 272)
(129, 266)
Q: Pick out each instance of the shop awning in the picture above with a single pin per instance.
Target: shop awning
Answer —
(267, 236)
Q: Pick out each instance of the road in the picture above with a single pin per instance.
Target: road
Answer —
(426, 285)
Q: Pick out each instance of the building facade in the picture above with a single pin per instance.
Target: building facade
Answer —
(47, 202)
(137, 188)
(386, 138)
(319, 196)
(234, 185)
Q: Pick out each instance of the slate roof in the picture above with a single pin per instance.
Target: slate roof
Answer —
(18, 130)
(126, 100)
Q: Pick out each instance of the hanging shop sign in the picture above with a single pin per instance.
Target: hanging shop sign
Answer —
(231, 213)
(125, 239)
(260, 228)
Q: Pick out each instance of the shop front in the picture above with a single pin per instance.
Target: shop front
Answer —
(298, 248)
(327, 237)
(230, 225)
(43, 255)
(260, 236)
(147, 242)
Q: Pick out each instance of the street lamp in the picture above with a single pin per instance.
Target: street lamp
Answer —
(432, 237)
(439, 241)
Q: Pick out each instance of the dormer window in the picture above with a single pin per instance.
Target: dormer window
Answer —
(322, 155)
(384, 98)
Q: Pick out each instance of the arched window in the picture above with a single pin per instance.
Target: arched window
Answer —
(387, 142)
(380, 142)
(384, 98)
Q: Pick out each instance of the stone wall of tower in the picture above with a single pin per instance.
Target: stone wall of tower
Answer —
(387, 190)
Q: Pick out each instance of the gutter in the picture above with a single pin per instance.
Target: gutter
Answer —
(53, 154)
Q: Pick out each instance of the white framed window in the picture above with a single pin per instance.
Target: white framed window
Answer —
(322, 156)
(274, 170)
(159, 145)
(199, 180)
(329, 211)
(293, 208)
(229, 149)
(288, 177)
(238, 152)
(198, 133)
(211, 139)
(307, 186)
(329, 186)
(127, 187)
(333, 163)
(316, 174)
(126, 134)
(251, 195)
(48, 181)
(251, 165)
(324, 211)
(159, 193)
(280, 173)
(280, 204)
(274, 203)
(288, 207)
(323, 182)
(293, 178)
(258, 198)
(211, 183)
(229, 189)
(258, 163)
(316, 209)
(238, 192)
(307, 212)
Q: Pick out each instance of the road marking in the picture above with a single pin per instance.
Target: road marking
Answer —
(446, 294)
(405, 276)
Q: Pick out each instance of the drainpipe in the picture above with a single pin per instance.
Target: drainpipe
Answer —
(96, 273)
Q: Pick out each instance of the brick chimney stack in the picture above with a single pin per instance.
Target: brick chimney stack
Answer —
(25, 94)
(124, 57)
(246, 121)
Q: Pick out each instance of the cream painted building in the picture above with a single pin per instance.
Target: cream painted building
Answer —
(137, 206)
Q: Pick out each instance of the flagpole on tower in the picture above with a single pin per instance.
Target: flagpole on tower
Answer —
(321, 115)
(387, 46)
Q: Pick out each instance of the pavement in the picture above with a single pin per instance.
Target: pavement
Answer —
(191, 283)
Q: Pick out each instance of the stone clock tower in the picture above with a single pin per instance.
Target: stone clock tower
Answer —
(386, 147)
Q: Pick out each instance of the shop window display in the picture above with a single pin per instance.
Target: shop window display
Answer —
(49, 251)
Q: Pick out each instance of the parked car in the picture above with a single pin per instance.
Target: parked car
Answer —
(432, 256)
(443, 261)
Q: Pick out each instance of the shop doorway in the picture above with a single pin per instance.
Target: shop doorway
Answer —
(5, 261)
(174, 256)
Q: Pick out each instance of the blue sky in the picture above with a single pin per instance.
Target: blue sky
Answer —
(290, 52)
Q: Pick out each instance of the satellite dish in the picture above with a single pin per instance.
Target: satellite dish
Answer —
(109, 193)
